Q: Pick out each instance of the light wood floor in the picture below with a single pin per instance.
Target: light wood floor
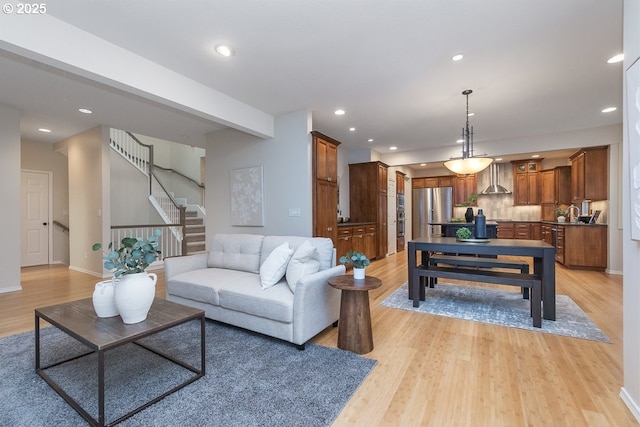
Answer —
(436, 371)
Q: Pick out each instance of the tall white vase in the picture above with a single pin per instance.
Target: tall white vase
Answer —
(103, 299)
(134, 295)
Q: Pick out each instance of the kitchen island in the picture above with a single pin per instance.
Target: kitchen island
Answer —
(449, 228)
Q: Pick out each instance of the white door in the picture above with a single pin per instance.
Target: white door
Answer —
(34, 188)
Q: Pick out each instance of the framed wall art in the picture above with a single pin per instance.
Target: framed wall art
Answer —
(247, 197)
(633, 120)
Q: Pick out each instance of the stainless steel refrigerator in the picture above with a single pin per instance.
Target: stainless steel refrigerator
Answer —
(431, 205)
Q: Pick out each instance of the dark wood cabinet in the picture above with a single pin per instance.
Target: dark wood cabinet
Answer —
(506, 230)
(556, 190)
(590, 174)
(368, 200)
(526, 182)
(546, 234)
(520, 230)
(400, 182)
(325, 186)
(463, 187)
(433, 181)
(586, 246)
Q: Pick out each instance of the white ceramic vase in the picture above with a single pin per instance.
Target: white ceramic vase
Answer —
(103, 299)
(358, 273)
(134, 295)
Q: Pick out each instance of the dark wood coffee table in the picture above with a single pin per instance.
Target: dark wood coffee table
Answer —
(354, 326)
(78, 319)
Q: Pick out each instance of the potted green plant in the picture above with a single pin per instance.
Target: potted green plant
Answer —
(560, 213)
(134, 291)
(359, 262)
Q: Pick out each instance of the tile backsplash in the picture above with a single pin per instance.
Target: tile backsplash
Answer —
(500, 206)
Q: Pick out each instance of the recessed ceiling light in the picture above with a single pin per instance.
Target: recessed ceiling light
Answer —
(225, 50)
(471, 114)
(457, 57)
(392, 148)
(460, 141)
(352, 129)
(423, 164)
(609, 109)
(498, 159)
(339, 112)
(370, 140)
(44, 130)
(535, 156)
(616, 58)
(85, 111)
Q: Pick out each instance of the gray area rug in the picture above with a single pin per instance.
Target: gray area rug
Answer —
(498, 307)
(251, 380)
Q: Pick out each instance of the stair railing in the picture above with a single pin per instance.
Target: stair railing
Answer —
(141, 157)
(169, 246)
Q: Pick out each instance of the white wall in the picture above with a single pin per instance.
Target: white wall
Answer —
(630, 391)
(10, 196)
(89, 192)
(286, 159)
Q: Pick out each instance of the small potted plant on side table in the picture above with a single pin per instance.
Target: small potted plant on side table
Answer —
(359, 262)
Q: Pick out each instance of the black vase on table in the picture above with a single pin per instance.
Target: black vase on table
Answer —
(468, 215)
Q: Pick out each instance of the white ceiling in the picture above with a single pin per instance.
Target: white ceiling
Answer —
(535, 66)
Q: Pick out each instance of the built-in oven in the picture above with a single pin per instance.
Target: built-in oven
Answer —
(400, 201)
(400, 222)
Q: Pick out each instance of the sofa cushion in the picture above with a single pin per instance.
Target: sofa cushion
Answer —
(274, 267)
(324, 246)
(274, 303)
(203, 285)
(303, 262)
(236, 252)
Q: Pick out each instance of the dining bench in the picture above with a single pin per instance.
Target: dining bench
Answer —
(530, 281)
(480, 262)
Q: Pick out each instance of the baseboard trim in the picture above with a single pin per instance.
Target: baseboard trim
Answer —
(631, 404)
(85, 271)
(11, 289)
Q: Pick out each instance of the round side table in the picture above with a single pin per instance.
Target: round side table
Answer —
(354, 326)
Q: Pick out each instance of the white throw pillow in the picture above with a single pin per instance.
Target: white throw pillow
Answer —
(274, 267)
(303, 262)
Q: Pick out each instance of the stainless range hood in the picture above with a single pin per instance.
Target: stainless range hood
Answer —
(495, 187)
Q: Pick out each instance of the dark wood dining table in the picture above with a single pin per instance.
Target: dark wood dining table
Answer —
(542, 253)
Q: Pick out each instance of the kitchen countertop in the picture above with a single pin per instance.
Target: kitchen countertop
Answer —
(465, 224)
(350, 224)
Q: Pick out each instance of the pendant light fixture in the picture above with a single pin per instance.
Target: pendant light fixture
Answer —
(467, 164)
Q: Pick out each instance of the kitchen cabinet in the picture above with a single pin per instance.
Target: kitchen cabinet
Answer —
(360, 238)
(433, 182)
(368, 200)
(400, 182)
(546, 234)
(325, 186)
(556, 190)
(506, 230)
(590, 174)
(526, 185)
(520, 230)
(463, 187)
(450, 229)
(579, 246)
(558, 238)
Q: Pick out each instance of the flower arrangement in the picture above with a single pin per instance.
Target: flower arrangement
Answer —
(357, 259)
(134, 256)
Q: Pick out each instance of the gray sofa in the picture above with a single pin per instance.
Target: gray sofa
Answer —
(228, 283)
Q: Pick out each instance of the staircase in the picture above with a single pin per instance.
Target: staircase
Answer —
(194, 233)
